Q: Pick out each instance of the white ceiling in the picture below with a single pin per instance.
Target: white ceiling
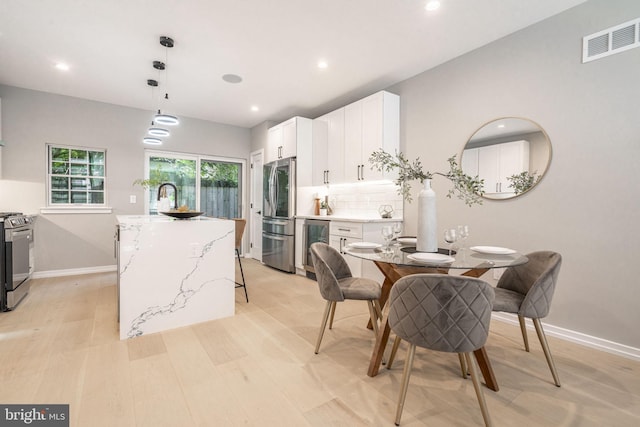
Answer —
(273, 44)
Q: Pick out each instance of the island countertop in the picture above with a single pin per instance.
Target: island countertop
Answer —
(174, 272)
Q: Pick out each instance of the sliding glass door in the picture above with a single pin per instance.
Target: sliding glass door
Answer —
(220, 188)
(216, 188)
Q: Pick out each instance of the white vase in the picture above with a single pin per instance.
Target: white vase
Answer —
(427, 240)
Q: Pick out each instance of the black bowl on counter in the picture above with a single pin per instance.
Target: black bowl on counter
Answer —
(182, 215)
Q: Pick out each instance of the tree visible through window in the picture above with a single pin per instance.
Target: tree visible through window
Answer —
(76, 176)
(216, 190)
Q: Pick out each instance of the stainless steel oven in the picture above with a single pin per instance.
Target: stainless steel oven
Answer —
(16, 258)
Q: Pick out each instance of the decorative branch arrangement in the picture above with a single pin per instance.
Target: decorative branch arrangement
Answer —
(523, 181)
(466, 188)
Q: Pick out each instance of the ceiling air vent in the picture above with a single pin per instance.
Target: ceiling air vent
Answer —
(612, 40)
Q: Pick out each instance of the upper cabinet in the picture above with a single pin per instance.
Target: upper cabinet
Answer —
(328, 149)
(371, 124)
(497, 162)
(353, 133)
(287, 138)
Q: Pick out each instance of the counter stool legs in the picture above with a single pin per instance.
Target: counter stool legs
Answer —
(243, 284)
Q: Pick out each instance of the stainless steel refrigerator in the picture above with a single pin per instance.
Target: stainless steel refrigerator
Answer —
(279, 209)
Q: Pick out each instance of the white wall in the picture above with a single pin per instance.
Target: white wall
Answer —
(588, 205)
(32, 119)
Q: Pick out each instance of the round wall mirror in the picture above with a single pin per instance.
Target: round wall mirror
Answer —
(511, 154)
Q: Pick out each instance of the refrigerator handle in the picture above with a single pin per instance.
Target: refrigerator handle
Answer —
(272, 195)
(275, 188)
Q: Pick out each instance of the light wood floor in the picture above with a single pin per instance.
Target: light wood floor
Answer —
(258, 367)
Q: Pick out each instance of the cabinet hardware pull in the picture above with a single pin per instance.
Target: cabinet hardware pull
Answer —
(362, 172)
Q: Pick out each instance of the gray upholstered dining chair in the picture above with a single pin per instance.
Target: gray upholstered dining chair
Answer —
(337, 284)
(527, 290)
(443, 313)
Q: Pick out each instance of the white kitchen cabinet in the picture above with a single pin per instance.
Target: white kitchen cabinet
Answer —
(499, 161)
(343, 233)
(319, 153)
(469, 163)
(371, 124)
(328, 150)
(284, 139)
(341, 155)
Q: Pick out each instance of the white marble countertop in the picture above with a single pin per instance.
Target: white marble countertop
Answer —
(348, 218)
(140, 219)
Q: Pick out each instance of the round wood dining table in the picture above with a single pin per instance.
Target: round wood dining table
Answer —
(397, 261)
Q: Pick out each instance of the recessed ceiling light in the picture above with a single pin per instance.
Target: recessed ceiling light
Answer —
(501, 126)
(254, 108)
(232, 78)
(322, 64)
(62, 66)
(432, 5)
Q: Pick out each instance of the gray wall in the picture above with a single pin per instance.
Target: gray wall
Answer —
(588, 204)
(30, 119)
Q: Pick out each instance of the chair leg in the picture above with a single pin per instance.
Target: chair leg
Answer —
(374, 317)
(325, 316)
(394, 350)
(333, 312)
(547, 353)
(376, 304)
(243, 285)
(523, 329)
(408, 364)
(471, 363)
(463, 365)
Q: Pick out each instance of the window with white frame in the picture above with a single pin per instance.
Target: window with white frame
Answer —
(76, 176)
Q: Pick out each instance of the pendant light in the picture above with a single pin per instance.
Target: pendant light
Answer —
(152, 140)
(155, 130)
(160, 118)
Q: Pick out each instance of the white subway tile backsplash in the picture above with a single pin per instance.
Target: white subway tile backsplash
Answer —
(360, 200)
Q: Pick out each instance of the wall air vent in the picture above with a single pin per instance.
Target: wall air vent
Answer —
(612, 40)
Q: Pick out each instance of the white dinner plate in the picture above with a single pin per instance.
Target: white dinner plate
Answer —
(495, 250)
(407, 240)
(431, 258)
(364, 245)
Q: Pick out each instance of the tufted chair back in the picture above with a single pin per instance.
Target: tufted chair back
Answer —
(441, 312)
(536, 280)
(330, 267)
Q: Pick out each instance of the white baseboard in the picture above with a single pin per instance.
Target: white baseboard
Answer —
(576, 337)
(74, 271)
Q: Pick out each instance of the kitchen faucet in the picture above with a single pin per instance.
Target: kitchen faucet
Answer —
(175, 193)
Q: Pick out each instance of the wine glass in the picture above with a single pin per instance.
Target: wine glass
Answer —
(450, 236)
(463, 233)
(387, 235)
(397, 229)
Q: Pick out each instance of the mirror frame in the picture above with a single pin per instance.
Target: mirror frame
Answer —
(546, 165)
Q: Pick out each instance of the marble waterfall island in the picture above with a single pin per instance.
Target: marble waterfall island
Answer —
(174, 272)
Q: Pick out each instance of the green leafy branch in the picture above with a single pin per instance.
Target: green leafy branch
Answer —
(466, 188)
(523, 181)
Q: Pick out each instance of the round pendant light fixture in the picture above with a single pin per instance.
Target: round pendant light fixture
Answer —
(152, 140)
(158, 131)
(165, 119)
